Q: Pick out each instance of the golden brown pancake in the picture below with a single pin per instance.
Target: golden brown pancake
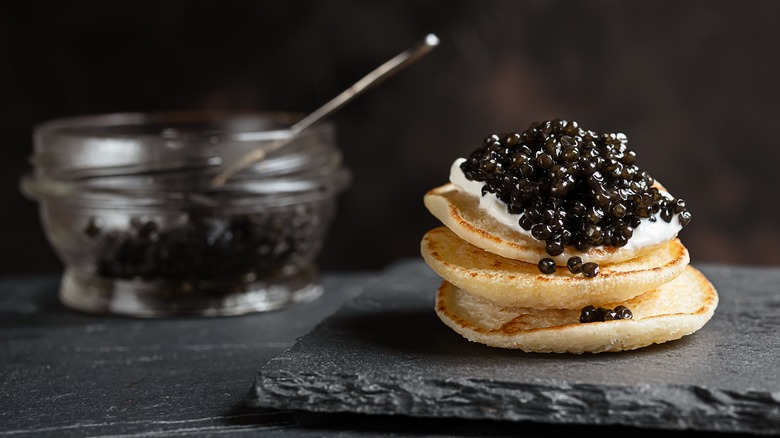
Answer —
(460, 213)
(515, 283)
(673, 310)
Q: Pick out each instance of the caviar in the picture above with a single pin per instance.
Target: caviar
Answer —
(575, 265)
(590, 269)
(599, 314)
(547, 266)
(206, 246)
(624, 312)
(571, 186)
(94, 227)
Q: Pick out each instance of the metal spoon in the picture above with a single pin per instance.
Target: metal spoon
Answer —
(381, 73)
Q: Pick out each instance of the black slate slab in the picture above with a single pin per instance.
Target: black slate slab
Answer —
(386, 352)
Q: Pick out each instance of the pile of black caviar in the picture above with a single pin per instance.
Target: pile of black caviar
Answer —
(571, 186)
(207, 246)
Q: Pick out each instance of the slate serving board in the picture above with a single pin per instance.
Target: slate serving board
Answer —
(386, 352)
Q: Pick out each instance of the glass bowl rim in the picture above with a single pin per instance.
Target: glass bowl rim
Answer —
(65, 126)
(43, 189)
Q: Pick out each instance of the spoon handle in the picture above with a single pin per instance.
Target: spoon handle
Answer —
(378, 75)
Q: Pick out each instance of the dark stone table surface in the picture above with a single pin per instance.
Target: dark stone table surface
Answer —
(386, 352)
(64, 373)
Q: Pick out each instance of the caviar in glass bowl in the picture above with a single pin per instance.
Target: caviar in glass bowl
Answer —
(129, 204)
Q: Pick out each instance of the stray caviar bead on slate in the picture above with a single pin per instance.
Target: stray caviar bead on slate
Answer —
(571, 186)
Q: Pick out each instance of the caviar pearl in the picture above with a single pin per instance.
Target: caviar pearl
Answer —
(610, 315)
(685, 217)
(546, 266)
(624, 312)
(575, 265)
(541, 231)
(94, 227)
(525, 222)
(587, 313)
(590, 269)
(554, 248)
(544, 161)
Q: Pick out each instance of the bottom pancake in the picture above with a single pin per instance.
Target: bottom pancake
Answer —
(671, 311)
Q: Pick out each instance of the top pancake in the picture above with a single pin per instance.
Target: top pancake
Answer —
(460, 212)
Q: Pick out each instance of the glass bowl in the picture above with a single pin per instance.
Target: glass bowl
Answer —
(129, 205)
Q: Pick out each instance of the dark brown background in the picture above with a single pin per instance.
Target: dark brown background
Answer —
(694, 84)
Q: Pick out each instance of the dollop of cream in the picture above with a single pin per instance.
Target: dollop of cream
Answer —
(647, 234)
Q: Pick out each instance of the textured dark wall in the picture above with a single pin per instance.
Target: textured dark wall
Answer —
(693, 84)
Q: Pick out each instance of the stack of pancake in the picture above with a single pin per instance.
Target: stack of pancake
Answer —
(493, 293)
